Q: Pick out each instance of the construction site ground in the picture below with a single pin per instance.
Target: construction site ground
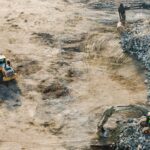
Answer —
(70, 67)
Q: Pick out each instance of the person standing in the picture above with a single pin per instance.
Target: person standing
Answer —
(122, 13)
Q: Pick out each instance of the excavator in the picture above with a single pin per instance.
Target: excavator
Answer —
(145, 124)
(7, 73)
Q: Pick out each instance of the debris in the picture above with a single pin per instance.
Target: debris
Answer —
(127, 132)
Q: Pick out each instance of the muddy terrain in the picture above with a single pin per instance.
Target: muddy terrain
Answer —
(70, 67)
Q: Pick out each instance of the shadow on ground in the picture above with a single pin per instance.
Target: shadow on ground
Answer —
(10, 94)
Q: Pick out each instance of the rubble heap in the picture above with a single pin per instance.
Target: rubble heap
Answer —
(131, 137)
(119, 129)
(136, 43)
(138, 47)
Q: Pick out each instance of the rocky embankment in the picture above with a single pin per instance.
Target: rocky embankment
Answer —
(136, 42)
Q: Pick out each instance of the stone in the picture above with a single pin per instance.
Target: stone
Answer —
(146, 81)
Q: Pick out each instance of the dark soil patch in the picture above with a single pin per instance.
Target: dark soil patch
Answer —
(73, 73)
(72, 47)
(53, 90)
(72, 42)
(45, 38)
(27, 67)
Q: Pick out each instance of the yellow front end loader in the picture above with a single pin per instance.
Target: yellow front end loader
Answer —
(7, 73)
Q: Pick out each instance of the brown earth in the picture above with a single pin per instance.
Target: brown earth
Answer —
(70, 68)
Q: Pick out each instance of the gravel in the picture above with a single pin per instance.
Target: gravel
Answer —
(132, 138)
(137, 44)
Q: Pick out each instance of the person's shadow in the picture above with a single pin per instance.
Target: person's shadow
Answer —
(10, 94)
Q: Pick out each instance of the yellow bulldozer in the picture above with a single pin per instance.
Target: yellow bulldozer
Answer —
(7, 73)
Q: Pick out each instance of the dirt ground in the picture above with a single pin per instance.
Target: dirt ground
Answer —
(70, 67)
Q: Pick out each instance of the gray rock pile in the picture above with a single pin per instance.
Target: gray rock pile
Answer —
(111, 5)
(137, 44)
(131, 137)
(102, 5)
